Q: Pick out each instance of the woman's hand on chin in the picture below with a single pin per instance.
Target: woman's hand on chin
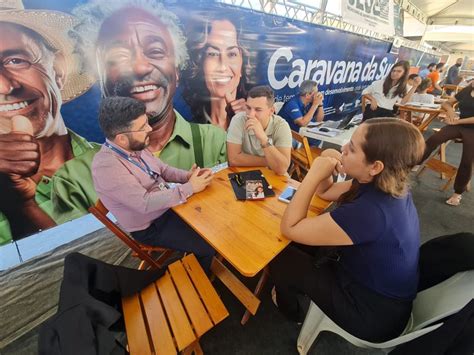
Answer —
(326, 166)
(333, 153)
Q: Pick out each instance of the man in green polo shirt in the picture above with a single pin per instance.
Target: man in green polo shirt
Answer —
(258, 137)
(38, 72)
(139, 54)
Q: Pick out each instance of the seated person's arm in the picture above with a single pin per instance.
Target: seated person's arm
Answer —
(237, 157)
(367, 94)
(369, 98)
(235, 137)
(448, 107)
(110, 180)
(350, 223)
(320, 112)
(407, 97)
(328, 189)
(303, 120)
(320, 230)
(277, 158)
(467, 120)
(172, 174)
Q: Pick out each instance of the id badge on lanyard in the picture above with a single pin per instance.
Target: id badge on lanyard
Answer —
(162, 186)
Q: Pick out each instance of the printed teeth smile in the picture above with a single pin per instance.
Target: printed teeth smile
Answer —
(138, 89)
(12, 107)
(223, 79)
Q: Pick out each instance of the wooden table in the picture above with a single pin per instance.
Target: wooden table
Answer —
(450, 87)
(439, 100)
(245, 233)
(406, 113)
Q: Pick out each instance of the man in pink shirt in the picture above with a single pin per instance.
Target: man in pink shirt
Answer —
(134, 185)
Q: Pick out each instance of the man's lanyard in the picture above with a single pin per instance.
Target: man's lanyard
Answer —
(124, 155)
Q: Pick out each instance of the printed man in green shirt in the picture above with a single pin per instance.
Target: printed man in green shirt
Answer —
(139, 52)
(38, 71)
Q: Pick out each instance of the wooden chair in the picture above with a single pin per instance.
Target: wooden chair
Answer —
(171, 314)
(142, 251)
(422, 122)
(449, 87)
(303, 157)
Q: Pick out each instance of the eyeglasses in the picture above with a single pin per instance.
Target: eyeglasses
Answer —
(138, 130)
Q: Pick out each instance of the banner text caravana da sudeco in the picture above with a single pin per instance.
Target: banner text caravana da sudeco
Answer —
(324, 72)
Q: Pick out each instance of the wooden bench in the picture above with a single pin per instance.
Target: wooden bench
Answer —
(171, 314)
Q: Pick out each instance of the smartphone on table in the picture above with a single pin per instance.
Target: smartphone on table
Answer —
(287, 194)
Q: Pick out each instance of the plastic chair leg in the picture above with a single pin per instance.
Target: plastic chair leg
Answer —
(310, 330)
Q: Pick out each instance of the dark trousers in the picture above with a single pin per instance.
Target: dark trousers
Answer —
(360, 311)
(172, 232)
(379, 112)
(465, 166)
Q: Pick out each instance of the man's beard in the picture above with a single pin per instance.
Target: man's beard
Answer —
(458, 65)
(123, 87)
(136, 145)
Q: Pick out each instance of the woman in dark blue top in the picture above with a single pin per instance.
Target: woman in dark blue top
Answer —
(368, 286)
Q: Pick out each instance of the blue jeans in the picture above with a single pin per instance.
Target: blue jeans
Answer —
(170, 231)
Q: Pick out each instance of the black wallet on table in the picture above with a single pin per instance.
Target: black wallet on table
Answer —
(238, 182)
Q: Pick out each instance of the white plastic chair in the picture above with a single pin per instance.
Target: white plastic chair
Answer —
(430, 306)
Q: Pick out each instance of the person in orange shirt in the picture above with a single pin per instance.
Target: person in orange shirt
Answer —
(435, 89)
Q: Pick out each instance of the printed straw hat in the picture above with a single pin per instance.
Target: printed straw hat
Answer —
(53, 26)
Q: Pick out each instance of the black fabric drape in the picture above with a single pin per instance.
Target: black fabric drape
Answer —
(89, 317)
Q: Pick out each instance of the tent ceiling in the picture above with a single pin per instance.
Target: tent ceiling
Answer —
(450, 24)
(447, 12)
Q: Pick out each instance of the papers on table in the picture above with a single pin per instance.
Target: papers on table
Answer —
(216, 168)
(331, 132)
(314, 124)
(423, 105)
(356, 119)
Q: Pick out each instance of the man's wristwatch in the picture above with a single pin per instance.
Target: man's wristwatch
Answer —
(268, 144)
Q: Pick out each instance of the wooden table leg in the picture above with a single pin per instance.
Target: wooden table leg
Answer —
(238, 289)
(258, 289)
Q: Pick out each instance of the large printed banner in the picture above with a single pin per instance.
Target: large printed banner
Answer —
(376, 15)
(198, 59)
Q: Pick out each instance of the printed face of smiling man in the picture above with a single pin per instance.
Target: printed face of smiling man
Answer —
(137, 54)
(30, 82)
